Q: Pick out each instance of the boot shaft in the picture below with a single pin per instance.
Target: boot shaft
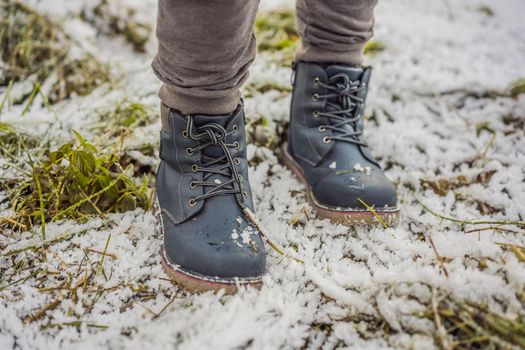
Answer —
(202, 156)
(320, 89)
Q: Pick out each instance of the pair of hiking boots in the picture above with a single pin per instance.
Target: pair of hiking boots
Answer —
(211, 238)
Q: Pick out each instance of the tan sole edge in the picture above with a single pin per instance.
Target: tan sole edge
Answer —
(345, 217)
(198, 285)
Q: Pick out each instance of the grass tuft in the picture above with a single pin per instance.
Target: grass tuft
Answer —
(122, 22)
(121, 121)
(78, 77)
(470, 326)
(31, 45)
(442, 186)
(276, 35)
(517, 87)
(126, 115)
(15, 143)
(74, 182)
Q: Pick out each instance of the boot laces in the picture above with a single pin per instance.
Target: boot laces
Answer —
(342, 102)
(209, 135)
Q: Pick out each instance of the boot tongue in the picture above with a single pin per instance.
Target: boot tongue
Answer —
(354, 73)
(202, 119)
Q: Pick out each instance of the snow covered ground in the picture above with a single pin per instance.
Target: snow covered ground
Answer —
(439, 119)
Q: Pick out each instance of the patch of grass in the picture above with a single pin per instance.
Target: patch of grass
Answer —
(262, 132)
(467, 325)
(126, 114)
(79, 77)
(135, 32)
(276, 34)
(14, 147)
(444, 185)
(30, 43)
(260, 87)
(15, 143)
(517, 88)
(121, 121)
(33, 45)
(74, 182)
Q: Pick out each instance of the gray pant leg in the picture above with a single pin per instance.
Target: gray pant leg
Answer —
(205, 50)
(334, 30)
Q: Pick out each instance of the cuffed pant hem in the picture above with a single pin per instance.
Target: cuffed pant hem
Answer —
(187, 104)
(310, 53)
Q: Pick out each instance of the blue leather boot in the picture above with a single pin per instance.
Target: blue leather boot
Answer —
(326, 148)
(203, 194)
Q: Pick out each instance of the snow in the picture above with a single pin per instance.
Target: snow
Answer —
(421, 125)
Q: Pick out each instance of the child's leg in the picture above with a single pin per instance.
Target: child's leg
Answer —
(334, 30)
(205, 50)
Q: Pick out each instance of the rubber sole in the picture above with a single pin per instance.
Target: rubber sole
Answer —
(345, 216)
(198, 283)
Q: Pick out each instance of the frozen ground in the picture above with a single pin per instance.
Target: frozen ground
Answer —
(443, 74)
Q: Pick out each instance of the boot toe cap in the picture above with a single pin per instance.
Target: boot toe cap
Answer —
(345, 190)
(207, 252)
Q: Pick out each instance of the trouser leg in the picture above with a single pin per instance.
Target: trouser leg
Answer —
(334, 31)
(205, 50)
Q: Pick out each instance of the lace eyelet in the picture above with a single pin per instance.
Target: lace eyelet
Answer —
(185, 134)
(321, 128)
(189, 151)
(236, 145)
(316, 80)
(194, 168)
(240, 178)
(244, 193)
(192, 202)
(235, 128)
(316, 113)
(193, 185)
(236, 161)
(326, 139)
(315, 97)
